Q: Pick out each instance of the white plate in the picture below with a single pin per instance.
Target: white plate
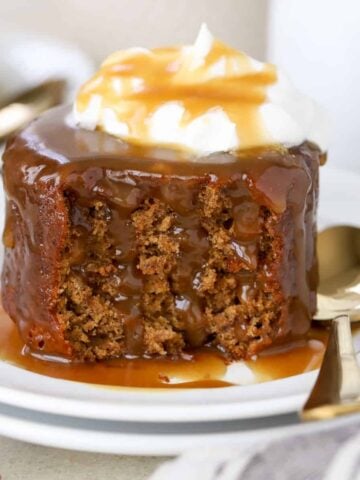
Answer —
(28, 390)
(127, 438)
(20, 388)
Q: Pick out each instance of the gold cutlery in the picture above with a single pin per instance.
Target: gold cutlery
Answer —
(29, 105)
(337, 388)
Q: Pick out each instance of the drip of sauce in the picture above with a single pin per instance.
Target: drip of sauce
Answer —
(133, 86)
(204, 368)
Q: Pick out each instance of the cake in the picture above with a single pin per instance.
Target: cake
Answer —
(173, 208)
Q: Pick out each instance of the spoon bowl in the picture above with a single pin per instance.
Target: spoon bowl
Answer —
(337, 388)
(339, 272)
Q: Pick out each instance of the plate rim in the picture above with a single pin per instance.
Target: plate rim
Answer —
(175, 413)
(94, 439)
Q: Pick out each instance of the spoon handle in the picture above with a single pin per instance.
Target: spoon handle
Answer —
(337, 388)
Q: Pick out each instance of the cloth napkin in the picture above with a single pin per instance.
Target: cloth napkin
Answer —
(333, 454)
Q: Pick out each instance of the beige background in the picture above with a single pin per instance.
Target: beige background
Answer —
(102, 26)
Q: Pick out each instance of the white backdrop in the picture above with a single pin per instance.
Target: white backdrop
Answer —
(318, 43)
(102, 26)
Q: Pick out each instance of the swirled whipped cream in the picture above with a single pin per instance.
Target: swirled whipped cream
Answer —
(203, 98)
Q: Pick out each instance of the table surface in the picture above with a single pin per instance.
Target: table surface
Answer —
(20, 460)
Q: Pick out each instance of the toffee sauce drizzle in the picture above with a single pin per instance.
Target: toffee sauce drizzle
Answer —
(53, 149)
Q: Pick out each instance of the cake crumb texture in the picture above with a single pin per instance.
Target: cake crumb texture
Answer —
(219, 304)
(112, 251)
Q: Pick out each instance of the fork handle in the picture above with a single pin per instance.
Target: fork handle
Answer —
(337, 388)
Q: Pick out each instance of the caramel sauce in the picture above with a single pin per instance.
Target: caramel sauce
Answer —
(291, 359)
(204, 368)
(134, 84)
(54, 154)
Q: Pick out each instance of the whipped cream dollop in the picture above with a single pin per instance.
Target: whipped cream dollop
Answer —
(203, 98)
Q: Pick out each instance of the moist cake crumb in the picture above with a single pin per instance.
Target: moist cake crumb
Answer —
(129, 255)
(231, 314)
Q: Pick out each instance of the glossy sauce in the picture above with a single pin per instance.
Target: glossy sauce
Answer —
(199, 369)
(52, 154)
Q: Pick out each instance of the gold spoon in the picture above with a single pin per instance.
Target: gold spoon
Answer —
(29, 105)
(337, 388)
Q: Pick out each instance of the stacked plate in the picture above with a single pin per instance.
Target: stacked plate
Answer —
(72, 415)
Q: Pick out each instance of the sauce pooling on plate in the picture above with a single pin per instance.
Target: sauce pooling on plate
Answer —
(204, 368)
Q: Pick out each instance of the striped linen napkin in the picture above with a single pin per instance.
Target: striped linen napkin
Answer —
(333, 454)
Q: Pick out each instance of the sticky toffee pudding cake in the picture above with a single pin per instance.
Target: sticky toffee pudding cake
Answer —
(174, 207)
